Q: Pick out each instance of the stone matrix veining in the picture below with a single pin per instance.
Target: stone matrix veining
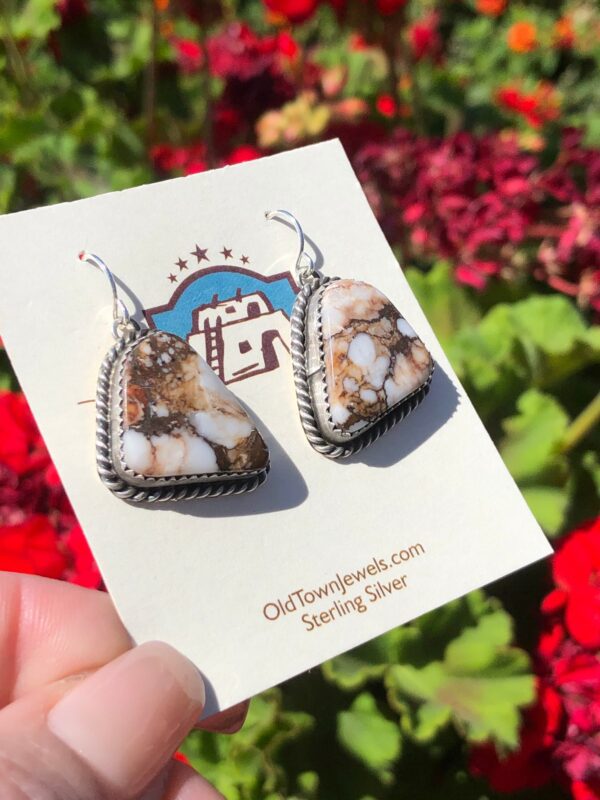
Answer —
(178, 416)
(373, 358)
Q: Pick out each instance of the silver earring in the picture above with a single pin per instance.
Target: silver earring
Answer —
(167, 427)
(359, 368)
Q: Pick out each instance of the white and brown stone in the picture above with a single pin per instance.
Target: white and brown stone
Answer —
(178, 418)
(372, 358)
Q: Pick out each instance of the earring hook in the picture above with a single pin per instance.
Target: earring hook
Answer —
(121, 316)
(308, 270)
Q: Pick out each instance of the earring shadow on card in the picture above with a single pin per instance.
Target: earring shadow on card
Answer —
(409, 434)
(284, 488)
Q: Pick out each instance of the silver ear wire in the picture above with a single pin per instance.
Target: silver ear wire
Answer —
(307, 270)
(121, 316)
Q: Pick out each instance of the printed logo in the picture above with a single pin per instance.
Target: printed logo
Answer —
(235, 318)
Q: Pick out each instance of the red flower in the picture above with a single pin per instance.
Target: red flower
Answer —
(576, 570)
(581, 790)
(72, 10)
(288, 46)
(522, 37)
(21, 446)
(564, 34)
(190, 56)
(82, 569)
(537, 107)
(550, 640)
(181, 160)
(575, 674)
(293, 10)
(244, 152)
(530, 766)
(386, 105)
(357, 43)
(477, 273)
(561, 734)
(38, 530)
(491, 7)
(425, 39)
(388, 7)
(32, 547)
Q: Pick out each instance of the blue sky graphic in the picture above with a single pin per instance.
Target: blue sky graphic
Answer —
(178, 320)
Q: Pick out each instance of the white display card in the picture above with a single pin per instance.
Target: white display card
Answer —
(259, 587)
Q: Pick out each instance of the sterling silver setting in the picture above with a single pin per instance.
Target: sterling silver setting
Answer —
(307, 355)
(122, 481)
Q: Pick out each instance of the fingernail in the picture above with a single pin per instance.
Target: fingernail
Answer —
(127, 718)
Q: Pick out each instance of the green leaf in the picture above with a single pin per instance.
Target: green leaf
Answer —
(35, 20)
(531, 449)
(538, 341)
(549, 505)
(530, 446)
(351, 671)
(475, 649)
(242, 766)
(308, 785)
(481, 684)
(448, 305)
(555, 327)
(430, 718)
(368, 735)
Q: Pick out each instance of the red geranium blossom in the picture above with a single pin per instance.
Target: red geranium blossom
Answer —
(537, 107)
(184, 160)
(530, 766)
(293, 10)
(386, 105)
(72, 10)
(21, 446)
(576, 571)
(243, 153)
(492, 7)
(560, 738)
(38, 530)
(32, 547)
(82, 568)
(388, 7)
(564, 34)
(425, 38)
(190, 55)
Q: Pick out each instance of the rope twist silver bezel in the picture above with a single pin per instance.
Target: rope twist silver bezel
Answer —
(104, 462)
(303, 394)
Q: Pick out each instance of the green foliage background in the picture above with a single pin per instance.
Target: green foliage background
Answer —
(394, 718)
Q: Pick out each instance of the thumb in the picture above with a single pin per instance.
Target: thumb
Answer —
(107, 735)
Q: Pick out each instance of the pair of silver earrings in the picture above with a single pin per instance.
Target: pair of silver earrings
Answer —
(169, 429)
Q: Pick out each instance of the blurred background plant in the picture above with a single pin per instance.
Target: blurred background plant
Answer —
(474, 127)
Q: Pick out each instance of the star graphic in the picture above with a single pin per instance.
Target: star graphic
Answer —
(200, 253)
(173, 278)
(245, 260)
(181, 264)
(226, 253)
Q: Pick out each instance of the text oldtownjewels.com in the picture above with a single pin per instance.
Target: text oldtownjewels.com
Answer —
(335, 591)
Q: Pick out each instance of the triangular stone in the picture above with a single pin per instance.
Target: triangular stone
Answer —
(372, 358)
(178, 418)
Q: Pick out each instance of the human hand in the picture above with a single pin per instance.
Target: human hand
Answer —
(84, 715)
